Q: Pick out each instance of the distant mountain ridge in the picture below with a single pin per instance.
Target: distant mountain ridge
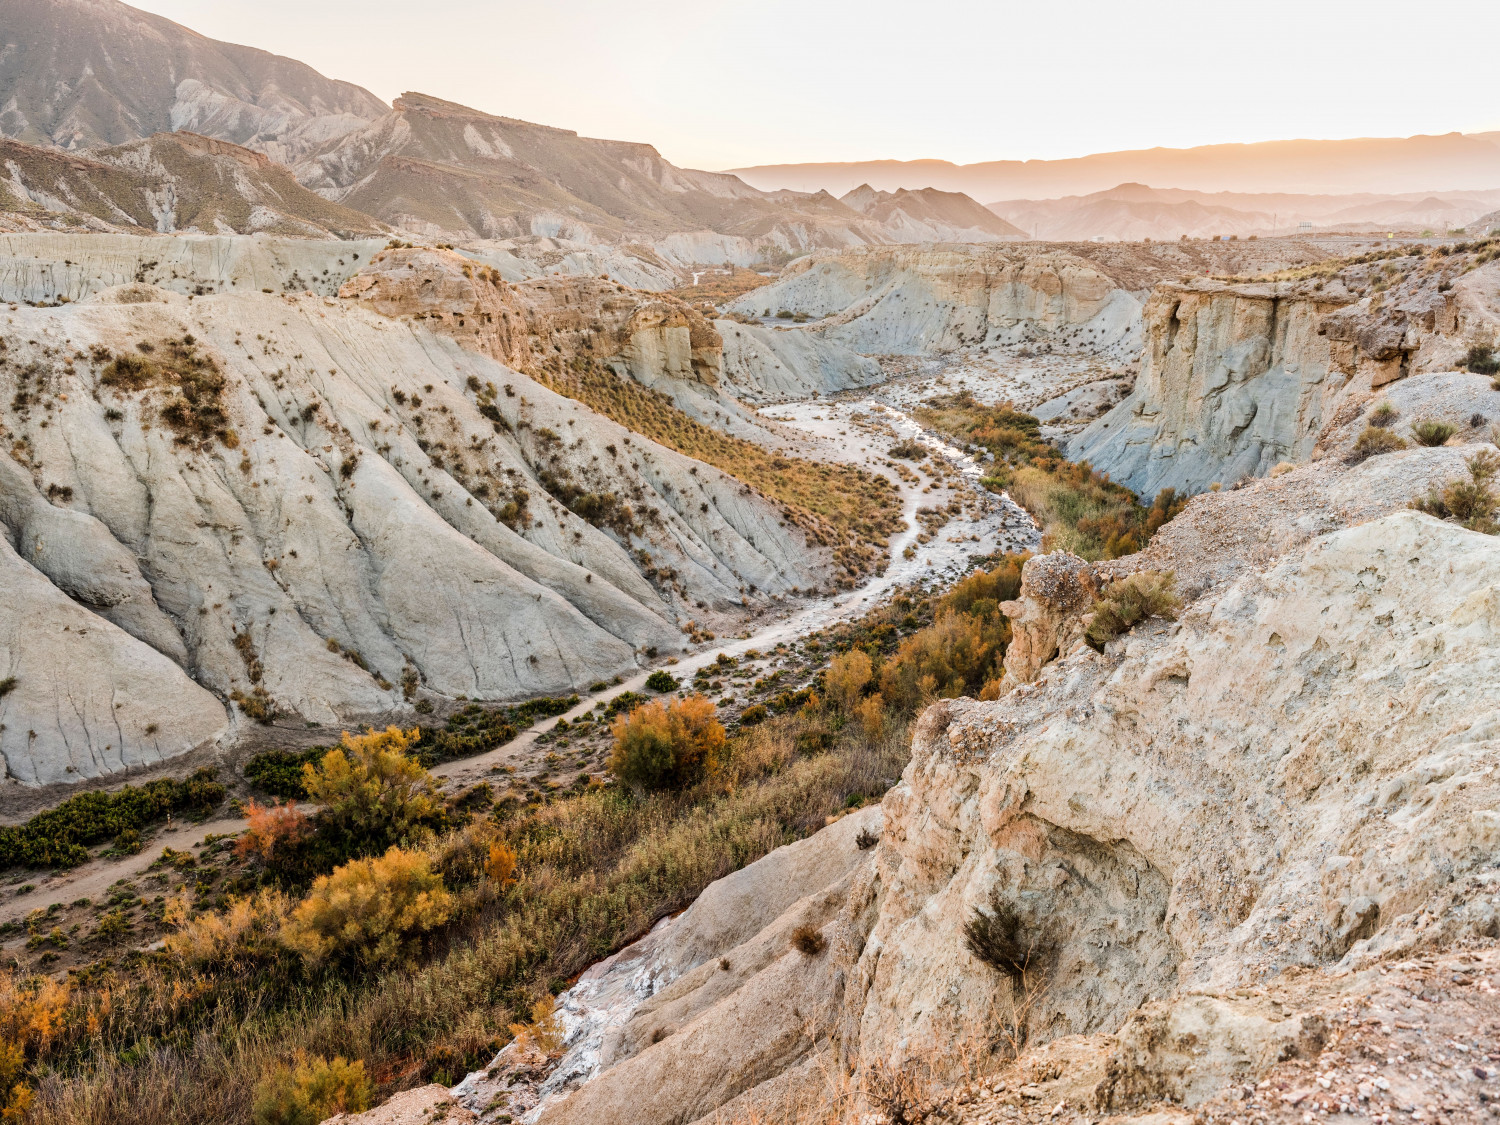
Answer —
(165, 183)
(1449, 162)
(444, 169)
(1130, 212)
(86, 73)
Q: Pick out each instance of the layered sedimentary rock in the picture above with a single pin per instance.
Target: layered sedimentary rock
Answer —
(1237, 377)
(1233, 380)
(1294, 774)
(167, 182)
(546, 324)
(49, 268)
(935, 299)
(320, 511)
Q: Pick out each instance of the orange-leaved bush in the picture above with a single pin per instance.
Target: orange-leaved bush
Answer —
(272, 827)
(368, 909)
(500, 866)
(662, 746)
(31, 1014)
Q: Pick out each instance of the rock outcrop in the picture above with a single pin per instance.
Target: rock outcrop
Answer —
(915, 301)
(720, 985)
(546, 324)
(1266, 785)
(1238, 377)
(1234, 380)
(1296, 774)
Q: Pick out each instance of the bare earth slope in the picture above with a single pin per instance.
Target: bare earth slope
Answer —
(167, 182)
(281, 484)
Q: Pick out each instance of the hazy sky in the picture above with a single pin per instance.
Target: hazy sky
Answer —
(717, 85)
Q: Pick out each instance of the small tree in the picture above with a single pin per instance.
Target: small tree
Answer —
(658, 747)
(367, 909)
(370, 789)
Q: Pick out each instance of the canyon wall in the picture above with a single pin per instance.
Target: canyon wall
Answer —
(1166, 826)
(915, 301)
(1237, 377)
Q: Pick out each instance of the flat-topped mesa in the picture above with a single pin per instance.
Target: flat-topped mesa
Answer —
(1237, 377)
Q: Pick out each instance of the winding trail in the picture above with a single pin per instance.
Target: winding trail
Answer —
(1003, 525)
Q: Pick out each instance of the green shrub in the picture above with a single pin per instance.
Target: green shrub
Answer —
(1383, 415)
(755, 713)
(7, 686)
(1432, 433)
(1131, 600)
(662, 680)
(279, 772)
(1373, 441)
(311, 1092)
(1482, 360)
(60, 837)
(1471, 502)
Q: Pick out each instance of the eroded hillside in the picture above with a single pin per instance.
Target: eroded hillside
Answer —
(319, 510)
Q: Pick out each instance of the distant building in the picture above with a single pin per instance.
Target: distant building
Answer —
(1304, 226)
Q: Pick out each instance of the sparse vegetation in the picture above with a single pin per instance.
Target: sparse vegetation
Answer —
(196, 412)
(1471, 503)
(839, 506)
(998, 936)
(807, 941)
(1482, 360)
(1374, 440)
(1431, 432)
(1080, 510)
(1383, 415)
(1130, 601)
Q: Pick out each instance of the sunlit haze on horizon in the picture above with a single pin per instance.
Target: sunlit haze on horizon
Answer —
(720, 86)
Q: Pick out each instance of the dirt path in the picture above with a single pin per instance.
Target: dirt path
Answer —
(1001, 526)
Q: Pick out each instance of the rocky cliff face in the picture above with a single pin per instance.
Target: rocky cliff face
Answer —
(940, 299)
(51, 268)
(167, 182)
(660, 342)
(322, 511)
(1295, 775)
(1237, 377)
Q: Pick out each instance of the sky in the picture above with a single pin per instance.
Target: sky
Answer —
(721, 85)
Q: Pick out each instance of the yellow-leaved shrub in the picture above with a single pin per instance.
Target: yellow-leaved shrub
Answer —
(311, 1091)
(371, 789)
(368, 909)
